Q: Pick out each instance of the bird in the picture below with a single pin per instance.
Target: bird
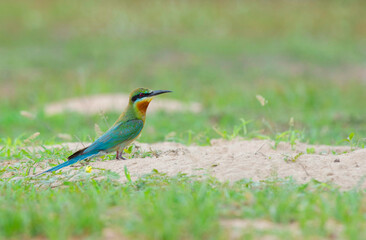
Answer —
(123, 132)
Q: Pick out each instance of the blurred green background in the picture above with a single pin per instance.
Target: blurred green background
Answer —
(307, 58)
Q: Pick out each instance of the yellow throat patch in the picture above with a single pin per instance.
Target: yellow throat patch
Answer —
(142, 105)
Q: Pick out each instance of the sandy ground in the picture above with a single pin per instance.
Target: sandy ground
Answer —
(253, 159)
(96, 104)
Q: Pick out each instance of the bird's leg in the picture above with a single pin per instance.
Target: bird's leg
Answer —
(119, 155)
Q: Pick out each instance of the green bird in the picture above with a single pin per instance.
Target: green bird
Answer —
(123, 132)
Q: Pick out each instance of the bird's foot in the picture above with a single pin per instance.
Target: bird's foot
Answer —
(119, 156)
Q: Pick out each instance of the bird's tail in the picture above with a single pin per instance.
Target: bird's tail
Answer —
(72, 159)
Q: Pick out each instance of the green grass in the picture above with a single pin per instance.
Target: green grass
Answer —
(307, 58)
(76, 204)
(181, 207)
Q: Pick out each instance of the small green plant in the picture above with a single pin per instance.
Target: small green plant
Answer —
(292, 136)
(353, 143)
(238, 130)
(310, 150)
(293, 158)
(244, 124)
(200, 138)
(135, 151)
(224, 133)
(127, 174)
(129, 149)
(350, 140)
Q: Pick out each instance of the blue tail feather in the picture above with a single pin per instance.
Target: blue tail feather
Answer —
(68, 163)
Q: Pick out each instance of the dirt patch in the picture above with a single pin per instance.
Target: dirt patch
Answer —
(236, 228)
(114, 103)
(254, 159)
(291, 67)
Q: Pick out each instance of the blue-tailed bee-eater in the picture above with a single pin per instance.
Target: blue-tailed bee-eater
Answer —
(123, 132)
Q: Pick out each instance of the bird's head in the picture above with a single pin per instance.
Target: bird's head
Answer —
(141, 97)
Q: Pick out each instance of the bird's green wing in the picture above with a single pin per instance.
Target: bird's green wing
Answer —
(122, 132)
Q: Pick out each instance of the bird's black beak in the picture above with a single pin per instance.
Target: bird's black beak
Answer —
(158, 92)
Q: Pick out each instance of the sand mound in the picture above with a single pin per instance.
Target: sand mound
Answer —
(113, 103)
(254, 159)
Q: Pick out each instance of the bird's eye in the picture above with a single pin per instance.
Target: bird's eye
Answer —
(141, 95)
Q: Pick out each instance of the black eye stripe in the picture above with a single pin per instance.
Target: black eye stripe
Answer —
(138, 96)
